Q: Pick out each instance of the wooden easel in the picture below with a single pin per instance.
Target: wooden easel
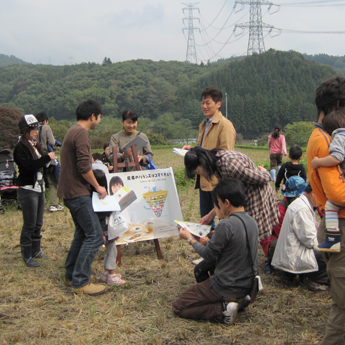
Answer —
(127, 164)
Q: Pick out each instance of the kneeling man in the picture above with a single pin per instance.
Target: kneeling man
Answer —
(295, 251)
(234, 248)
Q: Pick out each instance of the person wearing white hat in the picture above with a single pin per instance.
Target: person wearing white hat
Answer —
(30, 159)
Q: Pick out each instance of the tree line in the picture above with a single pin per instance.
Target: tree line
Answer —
(274, 87)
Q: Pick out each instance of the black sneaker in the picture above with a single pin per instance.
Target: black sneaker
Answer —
(230, 312)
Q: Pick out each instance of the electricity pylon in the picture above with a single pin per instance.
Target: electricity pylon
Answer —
(256, 42)
(191, 51)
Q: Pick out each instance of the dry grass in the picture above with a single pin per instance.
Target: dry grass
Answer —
(37, 308)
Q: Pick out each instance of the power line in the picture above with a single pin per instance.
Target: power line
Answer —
(216, 16)
(311, 32)
(314, 3)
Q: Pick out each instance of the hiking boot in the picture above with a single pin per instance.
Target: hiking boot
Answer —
(331, 243)
(90, 289)
(268, 267)
(115, 280)
(230, 312)
(27, 257)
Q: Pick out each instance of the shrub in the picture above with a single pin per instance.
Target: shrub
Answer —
(156, 139)
(298, 133)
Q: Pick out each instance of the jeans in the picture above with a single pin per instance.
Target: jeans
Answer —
(206, 205)
(32, 204)
(88, 237)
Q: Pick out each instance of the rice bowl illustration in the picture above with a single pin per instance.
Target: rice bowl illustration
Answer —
(156, 200)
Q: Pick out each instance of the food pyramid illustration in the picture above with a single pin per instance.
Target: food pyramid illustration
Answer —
(156, 199)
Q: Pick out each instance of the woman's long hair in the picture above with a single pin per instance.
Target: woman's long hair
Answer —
(24, 132)
(277, 128)
(200, 157)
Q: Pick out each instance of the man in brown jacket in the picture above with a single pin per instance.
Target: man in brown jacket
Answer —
(214, 132)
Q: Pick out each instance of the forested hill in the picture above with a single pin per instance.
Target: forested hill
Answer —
(6, 60)
(262, 89)
(337, 62)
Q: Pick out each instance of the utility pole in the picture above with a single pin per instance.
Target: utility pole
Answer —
(191, 51)
(256, 41)
(226, 105)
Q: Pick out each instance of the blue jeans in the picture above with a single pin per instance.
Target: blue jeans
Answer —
(206, 205)
(88, 237)
(32, 204)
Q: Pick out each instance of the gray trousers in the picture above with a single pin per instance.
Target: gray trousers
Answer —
(109, 261)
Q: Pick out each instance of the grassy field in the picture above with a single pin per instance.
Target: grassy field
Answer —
(36, 307)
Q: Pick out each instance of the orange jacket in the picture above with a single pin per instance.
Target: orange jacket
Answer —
(328, 183)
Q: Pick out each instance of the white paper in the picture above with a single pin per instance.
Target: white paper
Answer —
(200, 230)
(138, 142)
(108, 204)
(180, 151)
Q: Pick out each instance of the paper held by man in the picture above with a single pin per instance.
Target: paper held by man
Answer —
(116, 202)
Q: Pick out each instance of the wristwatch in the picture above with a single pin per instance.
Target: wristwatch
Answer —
(190, 239)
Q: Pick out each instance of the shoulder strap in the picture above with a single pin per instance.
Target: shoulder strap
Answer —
(255, 269)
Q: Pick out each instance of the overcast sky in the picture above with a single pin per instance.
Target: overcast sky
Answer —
(73, 31)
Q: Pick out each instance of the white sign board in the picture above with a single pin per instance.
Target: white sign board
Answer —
(153, 213)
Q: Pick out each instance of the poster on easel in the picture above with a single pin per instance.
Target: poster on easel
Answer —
(151, 215)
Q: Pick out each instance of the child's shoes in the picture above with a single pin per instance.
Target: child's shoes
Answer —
(331, 243)
(105, 274)
(113, 279)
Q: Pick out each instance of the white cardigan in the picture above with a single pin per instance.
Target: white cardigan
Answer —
(294, 250)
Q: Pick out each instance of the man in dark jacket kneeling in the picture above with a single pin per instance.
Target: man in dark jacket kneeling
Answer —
(234, 246)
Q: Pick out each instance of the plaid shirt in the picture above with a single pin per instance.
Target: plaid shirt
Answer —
(261, 203)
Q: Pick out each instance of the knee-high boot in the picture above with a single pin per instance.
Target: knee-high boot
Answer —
(36, 250)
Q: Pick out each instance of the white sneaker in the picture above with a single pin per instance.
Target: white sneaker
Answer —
(55, 208)
(105, 274)
(114, 280)
(230, 312)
